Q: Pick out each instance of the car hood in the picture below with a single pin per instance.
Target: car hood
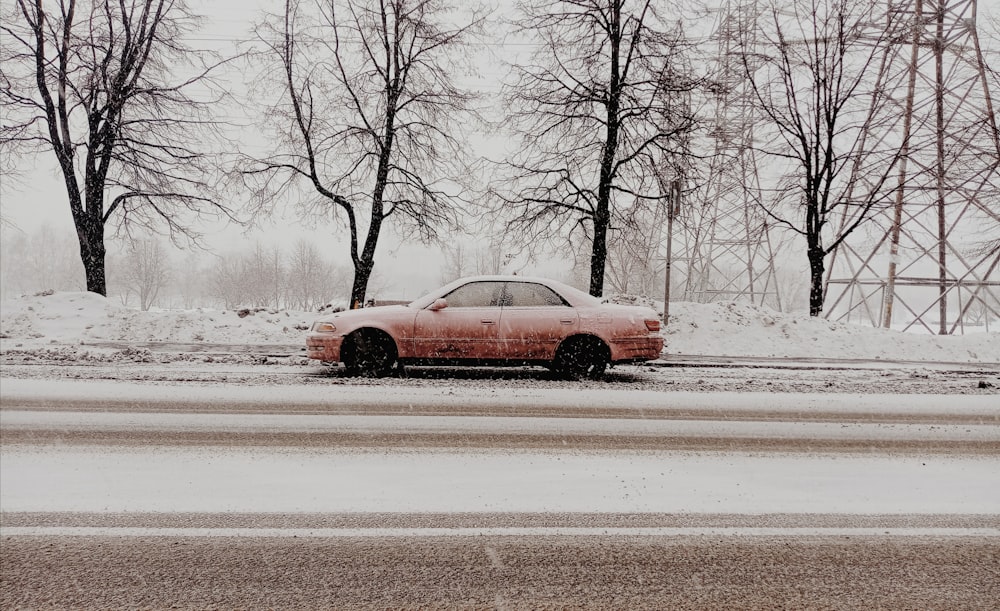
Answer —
(363, 313)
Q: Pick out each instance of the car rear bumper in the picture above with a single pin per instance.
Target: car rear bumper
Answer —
(636, 349)
(324, 347)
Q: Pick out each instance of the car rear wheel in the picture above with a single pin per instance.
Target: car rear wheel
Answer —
(581, 357)
(368, 353)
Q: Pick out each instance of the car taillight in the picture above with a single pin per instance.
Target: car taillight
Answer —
(653, 324)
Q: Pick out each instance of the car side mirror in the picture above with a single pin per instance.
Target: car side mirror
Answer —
(439, 304)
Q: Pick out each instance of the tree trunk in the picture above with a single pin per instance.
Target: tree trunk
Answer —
(602, 215)
(362, 273)
(365, 263)
(90, 228)
(599, 253)
(88, 222)
(92, 254)
(816, 266)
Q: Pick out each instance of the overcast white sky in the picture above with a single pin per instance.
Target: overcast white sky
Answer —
(41, 200)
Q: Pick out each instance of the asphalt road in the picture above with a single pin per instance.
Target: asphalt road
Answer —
(501, 573)
(139, 495)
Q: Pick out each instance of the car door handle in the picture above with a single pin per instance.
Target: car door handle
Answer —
(487, 322)
(566, 321)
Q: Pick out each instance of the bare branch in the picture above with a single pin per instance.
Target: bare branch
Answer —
(369, 92)
(124, 105)
(594, 113)
(813, 74)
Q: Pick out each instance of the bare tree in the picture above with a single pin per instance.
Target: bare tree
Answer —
(145, 272)
(458, 261)
(793, 285)
(13, 176)
(228, 282)
(268, 277)
(311, 281)
(462, 259)
(263, 272)
(814, 70)
(493, 258)
(190, 285)
(633, 251)
(369, 117)
(100, 84)
(249, 279)
(45, 259)
(601, 103)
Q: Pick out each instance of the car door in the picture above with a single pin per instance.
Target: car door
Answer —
(533, 321)
(466, 328)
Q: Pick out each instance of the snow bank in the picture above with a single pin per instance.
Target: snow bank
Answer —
(717, 329)
(84, 317)
(741, 329)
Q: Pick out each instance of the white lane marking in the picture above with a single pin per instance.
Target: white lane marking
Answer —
(538, 531)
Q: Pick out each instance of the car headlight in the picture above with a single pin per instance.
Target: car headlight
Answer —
(324, 327)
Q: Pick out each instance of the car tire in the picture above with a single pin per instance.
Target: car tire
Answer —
(368, 353)
(581, 357)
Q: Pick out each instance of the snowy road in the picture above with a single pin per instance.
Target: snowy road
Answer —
(304, 495)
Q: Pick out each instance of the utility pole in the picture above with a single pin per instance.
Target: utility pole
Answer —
(673, 208)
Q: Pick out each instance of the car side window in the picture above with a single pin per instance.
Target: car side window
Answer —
(529, 294)
(476, 295)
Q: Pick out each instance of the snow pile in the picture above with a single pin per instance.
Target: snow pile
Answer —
(717, 329)
(741, 329)
(74, 318)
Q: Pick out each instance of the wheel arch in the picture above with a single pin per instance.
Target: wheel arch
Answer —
(374, 331)
(585, 337)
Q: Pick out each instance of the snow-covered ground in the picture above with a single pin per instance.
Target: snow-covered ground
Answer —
(67, 319)
(72, 318)
(133, 454)
(160, 475)
(174, 479)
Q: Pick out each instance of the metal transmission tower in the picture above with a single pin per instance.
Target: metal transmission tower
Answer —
(919, 267)
(722, 232)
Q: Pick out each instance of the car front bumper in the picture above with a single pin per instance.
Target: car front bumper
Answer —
(324, 347)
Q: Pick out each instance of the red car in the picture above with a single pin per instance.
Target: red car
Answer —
(491, 320)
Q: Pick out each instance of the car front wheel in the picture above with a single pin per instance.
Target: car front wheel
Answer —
(581, 357)
(368, 353)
